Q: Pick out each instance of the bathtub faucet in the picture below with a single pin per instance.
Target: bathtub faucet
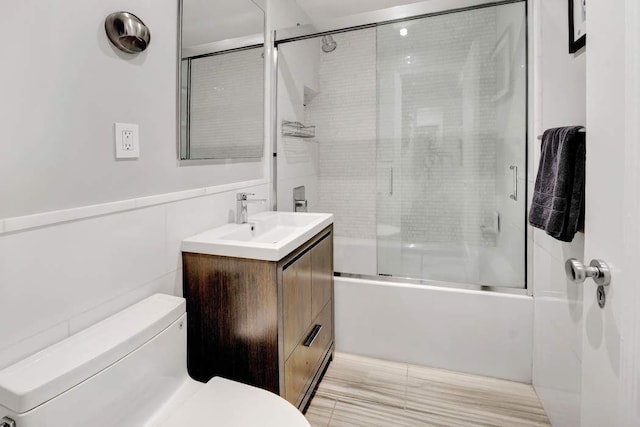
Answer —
(241, 206)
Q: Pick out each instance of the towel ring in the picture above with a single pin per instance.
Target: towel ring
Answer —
(127, 32)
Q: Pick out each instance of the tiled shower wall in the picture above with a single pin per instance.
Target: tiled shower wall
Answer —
(344, 111)
(385, 101)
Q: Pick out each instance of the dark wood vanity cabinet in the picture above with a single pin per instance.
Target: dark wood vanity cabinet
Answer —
(264, 323)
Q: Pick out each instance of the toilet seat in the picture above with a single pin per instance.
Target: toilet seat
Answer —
(222, 402)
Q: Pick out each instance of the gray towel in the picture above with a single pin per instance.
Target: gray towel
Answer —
(558, 197)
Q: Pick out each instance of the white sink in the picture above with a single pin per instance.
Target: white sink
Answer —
(267, 236)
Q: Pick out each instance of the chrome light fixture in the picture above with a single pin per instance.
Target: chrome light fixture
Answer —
(127, 32)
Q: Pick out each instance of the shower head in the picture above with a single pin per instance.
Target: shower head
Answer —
(328, 44)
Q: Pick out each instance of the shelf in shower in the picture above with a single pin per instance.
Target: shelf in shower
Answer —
(297, 130)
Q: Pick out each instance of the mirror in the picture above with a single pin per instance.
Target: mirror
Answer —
(221, 80)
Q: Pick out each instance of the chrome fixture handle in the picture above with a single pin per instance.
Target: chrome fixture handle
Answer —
(514, 195)
(299, 199)
(7, 422)
(243, 196)
(300, 206)
(313, 335)
(391, 182)
(241, 206)
(598, 270)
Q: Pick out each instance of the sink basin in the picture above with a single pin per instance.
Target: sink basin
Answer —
(267, 236)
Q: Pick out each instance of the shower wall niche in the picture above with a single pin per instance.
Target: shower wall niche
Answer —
(420, 144)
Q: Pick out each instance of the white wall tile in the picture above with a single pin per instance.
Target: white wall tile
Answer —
(165, 284)
(193, 216)
(297, 158)
(33, 344)
(344, 111)
(285, 192)
(52, 273)
(64, 277)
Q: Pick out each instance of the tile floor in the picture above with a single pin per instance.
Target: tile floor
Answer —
(359, 391)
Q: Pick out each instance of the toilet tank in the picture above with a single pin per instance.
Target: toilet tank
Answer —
(118, 372)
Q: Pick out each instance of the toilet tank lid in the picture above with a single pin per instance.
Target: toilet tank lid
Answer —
(56, 369)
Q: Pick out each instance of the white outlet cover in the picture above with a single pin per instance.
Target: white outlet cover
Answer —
(127, 148)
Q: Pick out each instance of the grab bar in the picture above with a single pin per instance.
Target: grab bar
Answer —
(514, 195)
(391, 182)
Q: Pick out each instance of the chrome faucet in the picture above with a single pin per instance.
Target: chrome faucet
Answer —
(241, 206)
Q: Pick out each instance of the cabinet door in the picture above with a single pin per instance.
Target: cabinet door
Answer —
(296, 296)
(321, 275)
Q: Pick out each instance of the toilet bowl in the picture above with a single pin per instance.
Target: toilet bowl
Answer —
(130, 370)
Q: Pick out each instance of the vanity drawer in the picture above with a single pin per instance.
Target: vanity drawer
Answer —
(303, 362)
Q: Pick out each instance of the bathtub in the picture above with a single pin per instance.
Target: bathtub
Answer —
(478, 332)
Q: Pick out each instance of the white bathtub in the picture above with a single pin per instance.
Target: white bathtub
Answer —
(479, 332)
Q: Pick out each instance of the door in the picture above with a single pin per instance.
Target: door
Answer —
(611, 341)
(451, 147)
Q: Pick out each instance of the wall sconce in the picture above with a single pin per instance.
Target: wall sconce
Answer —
(127, 32)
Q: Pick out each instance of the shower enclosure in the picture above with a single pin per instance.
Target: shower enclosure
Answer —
(419, 145)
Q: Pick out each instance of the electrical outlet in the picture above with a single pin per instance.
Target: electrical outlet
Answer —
(127, 141)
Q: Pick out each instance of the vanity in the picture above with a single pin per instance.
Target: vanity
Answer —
(260, 302)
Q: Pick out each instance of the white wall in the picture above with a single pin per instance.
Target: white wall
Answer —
(65, 88)
(62, 93)
(559, 100)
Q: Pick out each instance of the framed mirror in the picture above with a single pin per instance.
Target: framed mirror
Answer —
(221, 110)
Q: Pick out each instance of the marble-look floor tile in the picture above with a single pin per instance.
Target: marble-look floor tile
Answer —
(480, 400)
(354, 378)
(359, 391)
(360, 413)
(319, 411)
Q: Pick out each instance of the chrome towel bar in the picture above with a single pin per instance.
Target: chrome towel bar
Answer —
(583, 130)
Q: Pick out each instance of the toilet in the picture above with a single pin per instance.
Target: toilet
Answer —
(130, 370)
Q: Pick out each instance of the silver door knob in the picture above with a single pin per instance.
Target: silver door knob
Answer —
(598, 270)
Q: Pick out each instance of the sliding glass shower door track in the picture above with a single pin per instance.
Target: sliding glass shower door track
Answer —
(435, 283)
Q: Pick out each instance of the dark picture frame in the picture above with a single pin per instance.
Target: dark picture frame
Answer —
(577, 31)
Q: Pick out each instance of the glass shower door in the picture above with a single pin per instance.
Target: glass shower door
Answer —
(451, 147)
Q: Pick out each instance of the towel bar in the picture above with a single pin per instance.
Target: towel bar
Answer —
(583, 130)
